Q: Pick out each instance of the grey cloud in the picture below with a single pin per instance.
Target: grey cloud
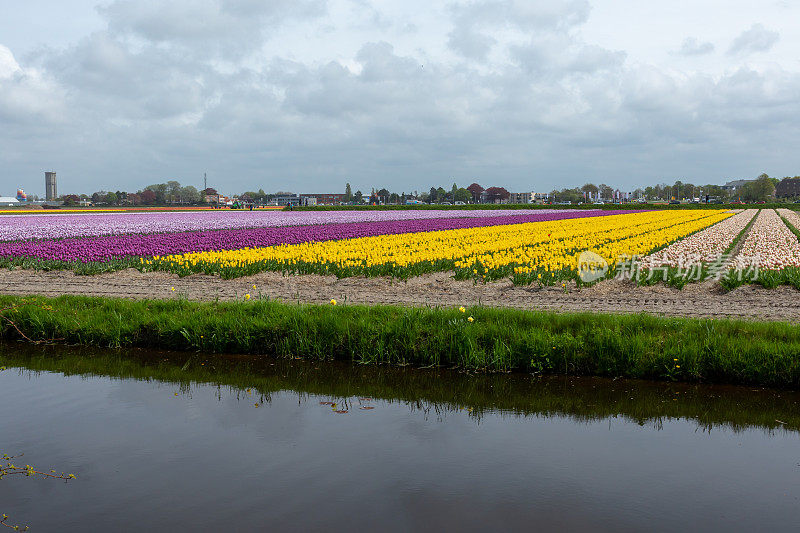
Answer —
(559, 110)
(474, 23)
(755, 39)
(693, 47)
(555, 15)
(28, 96)
(563, 56)
(470, 43)
(110, 79)
(218, 26)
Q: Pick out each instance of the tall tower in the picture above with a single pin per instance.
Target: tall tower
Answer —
(50, 191)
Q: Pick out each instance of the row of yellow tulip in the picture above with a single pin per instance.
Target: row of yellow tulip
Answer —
(484, 251)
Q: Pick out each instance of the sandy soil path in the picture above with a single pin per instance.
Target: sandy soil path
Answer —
(435, 290)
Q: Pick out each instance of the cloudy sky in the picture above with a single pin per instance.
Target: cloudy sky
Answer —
(304, 95)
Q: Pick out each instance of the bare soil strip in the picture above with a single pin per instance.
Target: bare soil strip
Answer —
(435, 290)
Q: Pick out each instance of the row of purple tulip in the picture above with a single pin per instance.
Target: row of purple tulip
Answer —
(105, 248)
(59, 226)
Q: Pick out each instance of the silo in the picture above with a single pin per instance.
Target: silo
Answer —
(50, 191)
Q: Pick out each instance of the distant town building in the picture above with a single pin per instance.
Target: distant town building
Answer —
(788, 188)
(214, 198)
(286, 199)
(733, 186)
(7, 201)
(50, 189)
(324, 198)
(521, 197)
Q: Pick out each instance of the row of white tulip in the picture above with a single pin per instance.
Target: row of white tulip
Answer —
(706, 246)
(769, 244)
(791, 216)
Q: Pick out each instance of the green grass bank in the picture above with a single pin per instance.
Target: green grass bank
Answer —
(635, 346)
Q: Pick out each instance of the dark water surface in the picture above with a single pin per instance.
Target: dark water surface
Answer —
(173, 442)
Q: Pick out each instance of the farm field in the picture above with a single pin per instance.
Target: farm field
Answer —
(198, 288)
(566, 248)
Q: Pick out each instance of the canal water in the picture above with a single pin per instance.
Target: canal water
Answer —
(176, 442)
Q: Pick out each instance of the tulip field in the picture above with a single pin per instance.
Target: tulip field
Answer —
(527, 246)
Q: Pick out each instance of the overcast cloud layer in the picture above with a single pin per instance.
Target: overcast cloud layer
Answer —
(304, 95)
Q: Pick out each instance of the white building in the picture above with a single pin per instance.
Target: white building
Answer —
(541, 197)
(521, 198)
(7, 201)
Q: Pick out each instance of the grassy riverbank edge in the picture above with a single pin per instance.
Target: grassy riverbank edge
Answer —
(635, 346)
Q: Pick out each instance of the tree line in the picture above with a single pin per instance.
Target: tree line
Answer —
(763, 188)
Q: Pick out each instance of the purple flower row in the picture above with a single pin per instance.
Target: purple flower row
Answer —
(105, 248)
(59, 226)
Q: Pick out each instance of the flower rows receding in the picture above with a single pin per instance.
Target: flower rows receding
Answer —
(791, 216)
(613, 242)
(116, 247)
(487, 251)
(32, 227)
(769, 245)
(706, 246)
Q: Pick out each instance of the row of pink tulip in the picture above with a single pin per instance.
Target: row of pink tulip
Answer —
(791, 216)
(769, 244)
(706, 246)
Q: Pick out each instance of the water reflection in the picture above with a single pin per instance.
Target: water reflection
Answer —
(176, 442)
(434, 393)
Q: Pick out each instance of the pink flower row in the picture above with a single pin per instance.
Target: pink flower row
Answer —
(706, 246)
(769, 244)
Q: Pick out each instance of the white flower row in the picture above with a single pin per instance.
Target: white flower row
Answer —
(706, 246)
(769, 244)
(791, 216)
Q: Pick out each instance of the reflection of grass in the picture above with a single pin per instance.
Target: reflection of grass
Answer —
(436, 391)
(638, 346)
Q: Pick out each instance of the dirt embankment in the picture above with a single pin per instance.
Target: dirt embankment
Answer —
(435, 290)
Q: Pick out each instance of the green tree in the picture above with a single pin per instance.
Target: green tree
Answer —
(189, 195)
(348, 194)
(71, 200)
(606, 192)
(761, 189)
(161, 190)
(173, 191)
(462, 195)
